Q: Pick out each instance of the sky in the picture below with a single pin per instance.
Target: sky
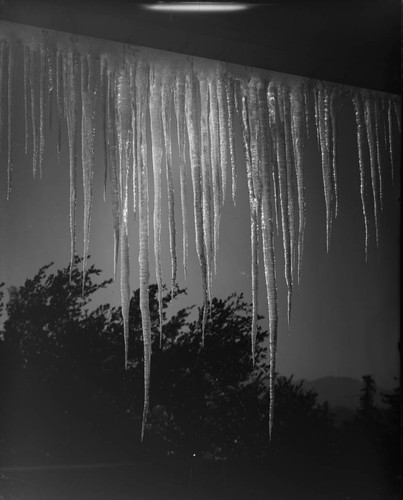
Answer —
(345, 313)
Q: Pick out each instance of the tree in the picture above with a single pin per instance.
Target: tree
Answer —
(368, 413)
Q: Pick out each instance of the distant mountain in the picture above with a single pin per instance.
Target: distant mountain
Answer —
(342, 394)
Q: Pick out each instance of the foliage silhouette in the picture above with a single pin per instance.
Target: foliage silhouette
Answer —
(64, 379)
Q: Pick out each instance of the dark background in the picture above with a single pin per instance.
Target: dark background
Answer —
(352, 42)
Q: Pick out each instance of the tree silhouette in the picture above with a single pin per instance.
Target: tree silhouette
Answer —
(65, 391)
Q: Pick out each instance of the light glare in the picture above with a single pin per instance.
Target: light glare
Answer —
(197, 7)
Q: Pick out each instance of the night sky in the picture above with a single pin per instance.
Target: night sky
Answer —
(345, 313)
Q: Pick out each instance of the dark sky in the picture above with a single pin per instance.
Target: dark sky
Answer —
(345, 316)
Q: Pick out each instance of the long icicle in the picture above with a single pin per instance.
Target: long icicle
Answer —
(10, 102)
(216, 173)
(271, 104)
(59, 101)
(42, 104)
(191, 106)
(157, 153)
(142, 82)
(167, 83)
(334, 130)
(135, 153)
(267, 153)
(250, 156)
(70, 93)
(2, 81)
(26, 94)
(296, 129)
(229, 83)
(290, 168)
(358, 110)
(113, 162)
(390, 138)
(208, 182)
(323, 138)
(124, 139)
(179, 103)
(369, 128)
(88, 94)
(375, 116)
(223, 127)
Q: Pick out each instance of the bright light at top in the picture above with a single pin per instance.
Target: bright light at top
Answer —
(197, 7)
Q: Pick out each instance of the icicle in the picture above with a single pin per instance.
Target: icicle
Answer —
(289, 155)
(375, 115)
(360, 143)
(223, 128)
(369, 127)
(323, 138)
(70, 92)
(250, 144)
(267, 152)
(274, 99)
(397, 113)
(390, 135)
(26, 93)
(274, 139)
(134, 137)
(42, 105)
(113, 161)
(124, 139)
(167, 83)
(296, 129)
(306, 107)
(179, 102)
(103, 81)
(10, 102)
(229, 83)
(209, 183)
(191, 106)
(59, 101)
(218, 184)
(87, 140)
(334, 120)
(33, 84)
(157, 152)
(50, 81)
(142, 82)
